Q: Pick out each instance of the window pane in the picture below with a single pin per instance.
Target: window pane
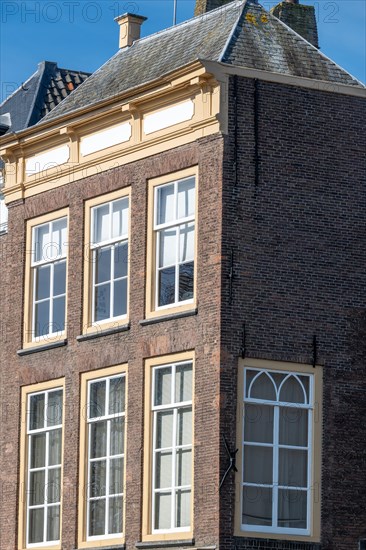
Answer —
(163, 506)
(37, 488)
(120, 218)
(183, 510)
(59, 284)
(257, 506)
(98, 439)
(102, 302)
(186, 242)
(97, 399)
(293, 466)
(97, 480)
(116, 476)
(293, 426)
(117, 388)
(184, 467)
(184, 430)
(166, 286)
(163, 469)
(115, 515)
(37, 404)
(54, 408)
(117, 436)
(42, 275)
(54, 485)
(258, 464)
(101, 223)
(164, 432)
(42, 243)
(42, 319)
(103, 265)
(186, 198)
(120, 298)
(53, 523)
(120, 260)
(59, 237)
(183, 383)
(163, 386)
(258, 423)
(263, 388)
(165, 196)
(58, 314)
(292, 507)
(38, 451)
(186, 280)
(97, 518)
(167, 247)
(292, 391)
(55, 446)
(36, 525)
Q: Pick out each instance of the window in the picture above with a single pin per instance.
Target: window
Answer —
(172, 243)
(103, 456)
(3, 214)
(46, 276)
(39, 522)
(169, 510)
(277, 450)
(107, 269)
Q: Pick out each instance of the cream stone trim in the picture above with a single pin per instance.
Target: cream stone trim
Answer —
(150, 311)
(85, 378)
(148, 433)
(23, 459)
(195, 85)
(48, 160)
(317, 372)
(170, 116)
(88, 327)
(28, 287)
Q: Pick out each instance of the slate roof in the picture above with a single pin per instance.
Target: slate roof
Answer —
(36, 97)
(239, 33)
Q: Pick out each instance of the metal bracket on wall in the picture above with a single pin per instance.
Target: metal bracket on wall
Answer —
(243, 344)
(231, 276)
(315, 351)
(232, 465)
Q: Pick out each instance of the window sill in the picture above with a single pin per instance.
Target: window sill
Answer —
(170, 317)
(106, 332)
(44, 347)
(115, 547)
(165, 543)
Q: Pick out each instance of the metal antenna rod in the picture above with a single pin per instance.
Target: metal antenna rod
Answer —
(175, 13)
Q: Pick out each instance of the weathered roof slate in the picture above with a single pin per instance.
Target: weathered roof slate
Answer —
(239, 33)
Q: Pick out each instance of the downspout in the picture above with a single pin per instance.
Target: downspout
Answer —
(256, 133)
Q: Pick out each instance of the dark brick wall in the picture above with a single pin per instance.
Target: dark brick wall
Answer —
(300, 269)
(198, 332)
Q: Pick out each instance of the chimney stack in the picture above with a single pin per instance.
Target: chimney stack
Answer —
(299, 17)
(129, 28)
(203, 6)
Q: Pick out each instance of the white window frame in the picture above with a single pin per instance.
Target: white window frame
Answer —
(46, 429)
(175, 407)
(3, 213)
(175, 223)
(111, 243)
(61, 258)
(107, 458)
(276, 446)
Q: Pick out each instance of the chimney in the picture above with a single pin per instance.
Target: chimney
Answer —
(129, 28)
(203, 6)
(299, 17)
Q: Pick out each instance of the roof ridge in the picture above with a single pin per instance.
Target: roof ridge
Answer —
(329, 59)
(43, 73)
(19, 88)
(188, 22)
(233, 30)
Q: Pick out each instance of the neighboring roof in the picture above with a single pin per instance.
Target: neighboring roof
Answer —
(239, 33)
(45, 89)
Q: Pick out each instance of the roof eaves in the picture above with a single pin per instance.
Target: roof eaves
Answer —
(291, 30)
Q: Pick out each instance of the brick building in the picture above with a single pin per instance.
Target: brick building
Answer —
(185, 277)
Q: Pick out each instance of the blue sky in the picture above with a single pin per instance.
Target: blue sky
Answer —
(81, 34)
